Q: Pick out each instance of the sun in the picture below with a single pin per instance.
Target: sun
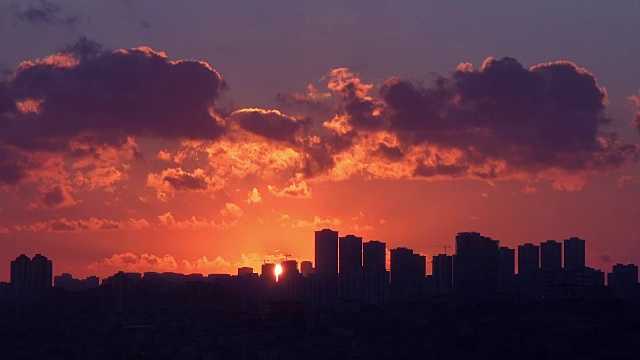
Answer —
(278, 271)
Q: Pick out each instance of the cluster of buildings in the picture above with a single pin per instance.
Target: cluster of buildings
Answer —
(348, 270)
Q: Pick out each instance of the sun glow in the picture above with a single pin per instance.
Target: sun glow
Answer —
(278, 271)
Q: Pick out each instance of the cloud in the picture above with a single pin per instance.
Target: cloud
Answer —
(231, 215)
(131, 262)
(297, 189)
(312, 99)
(43, 12)
(204, 265)
(4, 230)
(606, 259)
(109, 95)
(499, 121)
(12, 166)
(168, 220)
(316, 223)
(91, 224)
(254, 197)
(58, 197)
(270, 124)
(634, 103)
(174, 180)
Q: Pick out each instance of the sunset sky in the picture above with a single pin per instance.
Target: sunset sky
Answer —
(155, 136)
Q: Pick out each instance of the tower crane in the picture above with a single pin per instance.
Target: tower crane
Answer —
(441, 246)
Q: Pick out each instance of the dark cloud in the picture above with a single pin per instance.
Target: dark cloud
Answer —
(270, 124)
(317, 157)
(112, 95)
(186, 181)
(549, 116)
(12, 167)
(54, 197)
(312, 101)
(356, 104)
(57, 197)
(392, 153)
(454, 171)
(606, 259)
(43, 12)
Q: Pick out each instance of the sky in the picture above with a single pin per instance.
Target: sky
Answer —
(201, 136)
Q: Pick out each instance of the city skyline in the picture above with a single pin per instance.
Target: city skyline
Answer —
(205, 137)
(374, 255)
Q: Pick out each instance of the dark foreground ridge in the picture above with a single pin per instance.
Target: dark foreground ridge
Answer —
(74, 329)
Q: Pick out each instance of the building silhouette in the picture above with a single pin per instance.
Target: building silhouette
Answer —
(326, 252)
(350, 255)
(551, 255)
(475, 268)
(324, 282)
(268, 272)
(375, 275)
(67, 282)
(374, 256)
(624, 281)
(528, 257)
(289, 269)
(408, 272)
(245, 270)
(506, 270)
(31, 279)
(574, 253)
(442, 274)
(306, 268)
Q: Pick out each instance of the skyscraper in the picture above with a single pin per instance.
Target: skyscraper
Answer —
(350, 255)
(574, 253)
(407, 274)
(374, 256)
(551, 255)
(268, 272)
(375, 288)
(624, 282)
(31, 278)
(475, 267)
(528, 257)
(442, 274)
(326, 252)
(507, 264)
(306, 268)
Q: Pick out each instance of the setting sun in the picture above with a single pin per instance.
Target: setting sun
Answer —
(278, 271)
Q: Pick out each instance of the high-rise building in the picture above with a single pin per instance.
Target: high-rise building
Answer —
(507, 264)
(350, 255)
(624, 282)
(326, 252)
(69, 283)
(268, 272)
(245, 270)
(31, 278)
(374, 256)
(551, 255)
(306, 268)
(574, 253)
(408, 272)
(20, 278)
(528, 257)
(475, 267)
(289, 268)
(375, 288)
(442, 272)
